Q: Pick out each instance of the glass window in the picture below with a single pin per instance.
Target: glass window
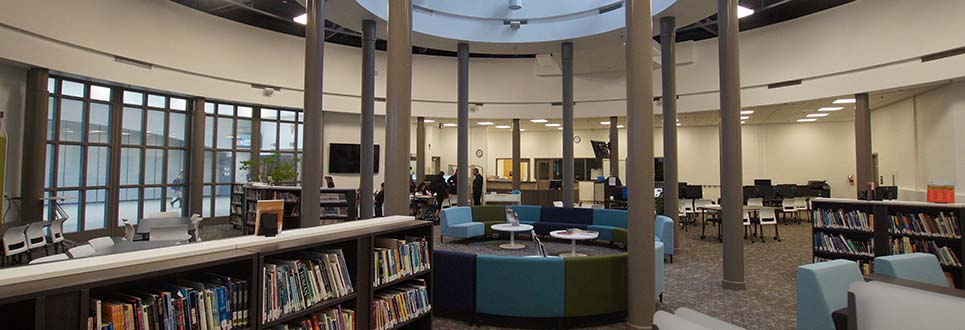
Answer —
(176, 162)
(155, 101)
(244, 112)
(97, 165)
(300, 135)
(208, 132)
(269, 114)
(152, 201)
(286, 137)
(129, 203)
(269, 137)
(49, 162)
(242, 175)
(226, 110)
(178, 130)
(178, 104)
(134, 98)
(209, 108)
(131, 126)
(226, 133)
(287, 115)
(100, 93)
(99, 129)
(95, 209)
(154, 166)
(68, 163)
(243, 135)
(72, 88)
(155, 128)
(206, 202)
(130, 166)
(222, 204)
(208, 163)
(71, 120)
(52, 85)
(51, 118)
(71, 205)
(226, 164)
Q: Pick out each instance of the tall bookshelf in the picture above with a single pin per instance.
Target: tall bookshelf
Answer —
(891, 228)
(64, 302)
(337, 205)
(237, 214)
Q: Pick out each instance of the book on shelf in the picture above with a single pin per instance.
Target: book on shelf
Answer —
(399, 304)
(946, 256)
(332, 198)
(840, 244)
(293, 285)
(921, 224)
(209, 302)
(394, 259)
(864, 265)
(335, 318)
(841, 219)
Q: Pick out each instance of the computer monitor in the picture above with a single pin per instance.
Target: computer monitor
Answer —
(886, 193)
(762, 182)
(751, 192)
(787, 190)
(556, 184)
(681, 190)
(767, 192)
(600, 149)
(694, 192)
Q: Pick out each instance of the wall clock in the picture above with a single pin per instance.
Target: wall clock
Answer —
(479, 153)
(577, 139)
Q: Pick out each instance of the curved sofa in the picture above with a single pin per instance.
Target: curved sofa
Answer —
(475, 221)
(534, 287)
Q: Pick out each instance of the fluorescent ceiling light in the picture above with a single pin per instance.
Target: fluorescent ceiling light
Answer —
(679, 124)
(745, 117)
(303, 18)
(743, 122)
(449, 125)
(538, 120)
(744, 12)
(831, 108)
(817, 115)
(806, 120)
(485, 123)
(522, 129)
(747, 112)
(604, 123)
(559, 128)
(552, 125)
(503, 126)
(844, 101)
(429, 120)
(96, 131)
(619, 126)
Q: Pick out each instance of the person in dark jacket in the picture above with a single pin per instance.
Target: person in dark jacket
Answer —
(379, 200)
(477, 187)
(440, 188)
(453, 181)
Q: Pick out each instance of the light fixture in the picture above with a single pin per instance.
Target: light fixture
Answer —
(229, 136)
(745, 117)
(743, 122)
(744, 12)
(552, 125)
(503, 126)
(604, 123)
(538, 121)
(429, 120)
(817, 115)
(301, 19)
(515, 4)
(806, 120)
(125, 134)
(559, 128)
(619, 126)
(522, 129)
(831, 108)
(449, 125)
(844, 101)
(747, 112)
(485, 123)
(679, 124)
(96, 131)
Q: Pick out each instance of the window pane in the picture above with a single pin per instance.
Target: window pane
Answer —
(178, 128)
(155, 101)
(95, 209)
(134, 98)
(226, 133)
(242, 175)
(244, 112)
(71, 206)
(226, 163)
(155, 128)
(50, 161)
(269, 137)
(71, 120)
(208, 131)
(100, 93)
(178, 104)
(68, 166)
(206, 202)
(51, 118)
(300, 136)
(226, 110)
(97, 165)
(286, 138)
(269, 114)
(208, 161)
(287, 115)
(152, 201)
(243, 136)
(209, 107)
(153, 166)
(99, 123)
(176, 161)
(51, 85)
(301, 116)
(130, 200)
(222, 203)
(72, 88)
(130, 166)
(176, 199)
(131, 126)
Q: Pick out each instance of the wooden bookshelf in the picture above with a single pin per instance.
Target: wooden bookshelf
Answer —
(337, 205)
(31, 299)
(882, 235)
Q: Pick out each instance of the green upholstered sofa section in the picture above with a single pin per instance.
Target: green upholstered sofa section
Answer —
(619, 236)
(489, 228)
(596, 285)
(489, 215)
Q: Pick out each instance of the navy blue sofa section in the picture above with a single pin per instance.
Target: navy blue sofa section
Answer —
(458, 296)
(559, 218)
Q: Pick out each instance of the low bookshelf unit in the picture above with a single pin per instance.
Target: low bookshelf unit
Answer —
(337, 205)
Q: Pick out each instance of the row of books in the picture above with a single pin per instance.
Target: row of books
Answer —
(841, 219)
(337, 211)
(864, 265)
(298, 284)
(945, 255)
(840, 244)
(396, 305)
(395, 259)
(328, 319)
(210, 302)
(942, 225)
(331, 197)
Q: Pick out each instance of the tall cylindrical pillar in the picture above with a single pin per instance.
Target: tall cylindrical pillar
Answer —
(196, 158)
(420, 151)
(568, 175)
(398, 108)
(517, 173)
(640, 240)
(34, 142)
(312, 156)
(462, 123)
(367, 154)
(864, 173)
(731, 175)
(614, 146)
(668, 65)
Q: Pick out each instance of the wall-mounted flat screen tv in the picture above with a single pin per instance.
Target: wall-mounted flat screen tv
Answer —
(345, 158)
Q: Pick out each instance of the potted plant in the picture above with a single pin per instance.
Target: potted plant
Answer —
(272, 169)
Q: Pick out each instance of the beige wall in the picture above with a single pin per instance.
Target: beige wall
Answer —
(13, 87)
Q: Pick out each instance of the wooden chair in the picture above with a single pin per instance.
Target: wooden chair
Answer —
(275, 206)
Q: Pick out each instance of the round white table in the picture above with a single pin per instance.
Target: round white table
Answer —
(573, 237)
(512, 234)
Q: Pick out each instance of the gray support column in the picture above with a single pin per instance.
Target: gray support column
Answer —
(517, 170)
(367, 156)
(196, 158)
(398, 108)
(640, 240)
(34, 142)
(312, 156)
(862, 142)
(462, 123)
(420, 152)
(731, 176)
(568, 178)
(614, 147)
(668, 64)
(114, 164)
(254, 171)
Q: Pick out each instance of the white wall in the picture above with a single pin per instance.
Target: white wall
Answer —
(13, 88)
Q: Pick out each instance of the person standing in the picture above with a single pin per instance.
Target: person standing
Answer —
(453, 181)
(177, 188)
(477, 187)
(379, 200)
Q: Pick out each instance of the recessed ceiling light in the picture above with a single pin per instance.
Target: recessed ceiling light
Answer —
(522, 129)
(429, 120)
(679, 124)
(503, 126)
(485, 123)
(744, 12)
(301, 19)
(449, 125)
(552, 125)
(619, 126)
(745, 117)
(806, 120)
(817, 115)
(559, 128)
(844, 101)
(747, 112)
(743, 122)
(831, 108)
(538, 120)
(604, 123)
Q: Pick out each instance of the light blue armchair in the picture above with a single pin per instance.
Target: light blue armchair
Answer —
(457, 222)
(822, 288)
(663, 228)
(920, 267)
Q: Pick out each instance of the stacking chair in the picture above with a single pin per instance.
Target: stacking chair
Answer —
(755, 202)
(170, 233)
(36, 237)
(128, 230)
(56, 232)
(788, 207)
(193, 229)
(81, 251)
(801, 205)
(15, 243)
(557, 203)
(156, 215)
(747, 224)
(51, 258)
(768, 217)
(101, 243)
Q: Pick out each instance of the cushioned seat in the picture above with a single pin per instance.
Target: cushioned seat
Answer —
(663, 228)
(457, 222)
(606, 232)
(561, 218)
(920, 267)
(619, 235)
(457, 295)
(519, 286)
(822, 288)
(489, 215)
(527, 213)
(544, 228)
(596, 285)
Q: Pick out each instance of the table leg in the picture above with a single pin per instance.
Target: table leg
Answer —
(573, 246)
(512, 238)
(512, 243)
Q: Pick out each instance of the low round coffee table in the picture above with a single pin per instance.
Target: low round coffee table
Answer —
(512, 234)
(573, 237)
